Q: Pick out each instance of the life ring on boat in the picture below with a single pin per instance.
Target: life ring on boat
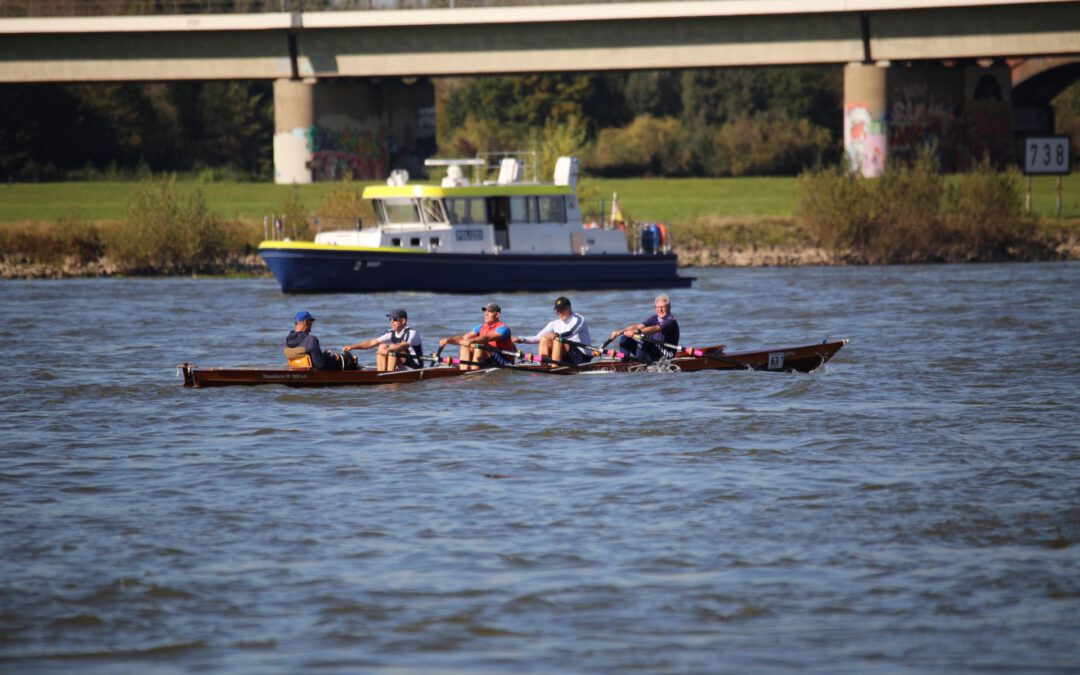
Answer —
(662, 229)
(592, 225)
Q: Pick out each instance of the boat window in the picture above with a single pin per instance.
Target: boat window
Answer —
(466, 211)
(400, 211)
(552, 209)
(434, 211)
(523, 210)
(415, 241)
(396, 241)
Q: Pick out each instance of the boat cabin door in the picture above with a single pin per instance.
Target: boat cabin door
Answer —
(499, 217)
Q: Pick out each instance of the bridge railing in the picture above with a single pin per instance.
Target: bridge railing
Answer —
(66, 8)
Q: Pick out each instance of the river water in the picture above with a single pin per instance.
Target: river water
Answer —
(914, 506)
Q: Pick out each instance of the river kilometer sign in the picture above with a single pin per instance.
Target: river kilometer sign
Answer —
(1046, 155)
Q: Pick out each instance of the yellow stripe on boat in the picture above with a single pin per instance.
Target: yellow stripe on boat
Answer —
(517, 190)
(312, 246)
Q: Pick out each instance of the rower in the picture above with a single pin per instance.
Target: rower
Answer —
(660, 327)
(567, 325)
(300, 343)
(398, 347)
(492, 333)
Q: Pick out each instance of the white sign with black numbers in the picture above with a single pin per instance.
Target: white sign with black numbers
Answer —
(1046, 155)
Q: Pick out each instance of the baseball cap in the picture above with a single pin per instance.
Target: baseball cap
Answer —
(492, 307)
(562, 302)
(398, 314)
(304, 315)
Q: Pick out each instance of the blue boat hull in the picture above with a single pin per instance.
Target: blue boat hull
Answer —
(350, 271)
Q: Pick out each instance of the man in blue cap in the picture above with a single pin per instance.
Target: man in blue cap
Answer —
(300, 341)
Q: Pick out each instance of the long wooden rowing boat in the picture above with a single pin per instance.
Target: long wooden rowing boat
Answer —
(802, 359)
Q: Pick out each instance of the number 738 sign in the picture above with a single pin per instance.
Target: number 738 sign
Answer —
(1046, 155)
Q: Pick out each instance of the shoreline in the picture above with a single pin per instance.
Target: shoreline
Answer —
(252, 266)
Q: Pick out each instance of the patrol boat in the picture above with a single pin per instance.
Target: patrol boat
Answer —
(475, 236)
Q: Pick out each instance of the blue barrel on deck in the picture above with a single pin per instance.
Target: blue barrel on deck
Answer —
(650, 239)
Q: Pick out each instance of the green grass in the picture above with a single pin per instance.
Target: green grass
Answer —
(667, 200)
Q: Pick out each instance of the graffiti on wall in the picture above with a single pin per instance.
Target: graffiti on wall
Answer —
(918, 119)
(347, 152)
(864, 140)
(963, 129)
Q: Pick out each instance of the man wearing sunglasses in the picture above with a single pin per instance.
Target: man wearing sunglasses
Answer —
(493, 333)
(567, 325)
(398, 347)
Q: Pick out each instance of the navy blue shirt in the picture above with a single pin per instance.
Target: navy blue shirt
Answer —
(669, 328)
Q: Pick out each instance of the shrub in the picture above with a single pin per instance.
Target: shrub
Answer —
(168, 232)
(293, 215)
(649, 145)
(559, 139)
(985, 214)
(910, 215)
(768, 143)
(342, 205)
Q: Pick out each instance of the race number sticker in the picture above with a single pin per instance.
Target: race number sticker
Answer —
(776, 360)
(1046, 155)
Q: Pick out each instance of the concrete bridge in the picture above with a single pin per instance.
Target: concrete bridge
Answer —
(299, 49)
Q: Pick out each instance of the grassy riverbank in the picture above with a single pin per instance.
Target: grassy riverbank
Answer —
(668, 200)
(62, 229)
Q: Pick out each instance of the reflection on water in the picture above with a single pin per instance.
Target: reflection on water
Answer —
(912, 506)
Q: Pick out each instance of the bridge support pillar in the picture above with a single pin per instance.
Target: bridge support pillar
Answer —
(866, 140)
(352, 128)
(294, 119)
(960, 109)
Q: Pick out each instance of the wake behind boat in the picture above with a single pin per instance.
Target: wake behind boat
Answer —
(476, 236)
(801, 359)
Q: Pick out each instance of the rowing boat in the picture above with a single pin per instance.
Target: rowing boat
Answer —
(802, 359)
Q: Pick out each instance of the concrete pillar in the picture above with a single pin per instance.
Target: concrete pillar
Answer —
(294, 121)
(865, 108)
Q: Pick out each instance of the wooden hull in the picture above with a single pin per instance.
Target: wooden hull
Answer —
(802, 359)
(195, 376)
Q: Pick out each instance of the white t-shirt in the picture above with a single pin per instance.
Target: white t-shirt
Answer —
(574, 328)
(407, 334)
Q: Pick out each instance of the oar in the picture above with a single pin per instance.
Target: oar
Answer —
(600, 351)
(641, 337)
(516, 355)
(449, 360)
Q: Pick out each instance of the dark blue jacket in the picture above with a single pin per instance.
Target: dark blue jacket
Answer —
(310, 343)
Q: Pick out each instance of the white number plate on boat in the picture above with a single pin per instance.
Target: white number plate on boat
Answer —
(776, 360)
(469, 235)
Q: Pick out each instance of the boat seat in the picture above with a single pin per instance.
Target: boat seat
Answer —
(298, 358)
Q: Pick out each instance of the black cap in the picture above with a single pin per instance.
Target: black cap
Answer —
(398, 314)
(562, 302)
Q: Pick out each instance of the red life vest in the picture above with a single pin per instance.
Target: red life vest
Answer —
(486, 329)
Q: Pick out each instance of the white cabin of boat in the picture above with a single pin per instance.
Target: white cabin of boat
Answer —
(505, 216)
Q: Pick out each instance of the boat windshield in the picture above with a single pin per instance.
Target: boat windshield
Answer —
(397, 211)
(434, 211)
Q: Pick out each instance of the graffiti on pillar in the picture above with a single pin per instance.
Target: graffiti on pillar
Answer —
(918, 119)
(348, 152)
(864, 140)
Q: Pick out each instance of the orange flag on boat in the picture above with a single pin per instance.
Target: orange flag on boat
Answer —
(616, 212)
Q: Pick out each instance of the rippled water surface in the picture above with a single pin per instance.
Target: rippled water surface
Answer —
(912, 507)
